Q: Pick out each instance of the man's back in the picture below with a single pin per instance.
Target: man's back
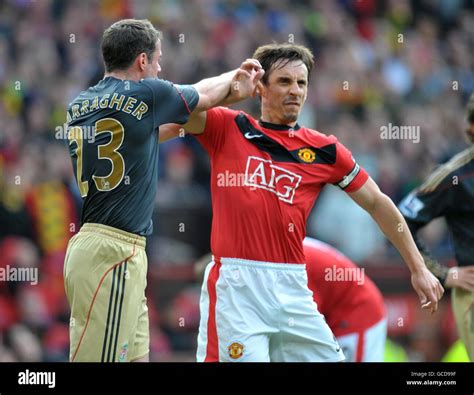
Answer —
(345, 295)
(113, 143)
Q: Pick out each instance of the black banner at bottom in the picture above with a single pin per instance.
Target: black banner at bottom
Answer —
(139, 378)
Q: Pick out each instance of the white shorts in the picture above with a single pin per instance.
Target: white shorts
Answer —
(365, 346)
(261, 312)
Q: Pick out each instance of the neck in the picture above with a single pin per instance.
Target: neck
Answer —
(276, 120)
(124, 75)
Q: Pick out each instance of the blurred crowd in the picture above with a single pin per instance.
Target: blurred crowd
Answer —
(378, 63)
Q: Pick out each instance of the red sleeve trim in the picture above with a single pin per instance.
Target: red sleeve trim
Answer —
(182, 97)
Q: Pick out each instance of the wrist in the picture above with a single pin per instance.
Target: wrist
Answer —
(417, 266)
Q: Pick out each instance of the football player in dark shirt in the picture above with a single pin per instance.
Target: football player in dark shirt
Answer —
(449, 192)
(113, 142)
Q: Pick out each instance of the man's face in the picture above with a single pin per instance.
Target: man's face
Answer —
(153, 67)
(285, 92)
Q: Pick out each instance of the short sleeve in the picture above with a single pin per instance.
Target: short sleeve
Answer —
(171, 103)
(217, 120)
(421, 208)
(348, 174)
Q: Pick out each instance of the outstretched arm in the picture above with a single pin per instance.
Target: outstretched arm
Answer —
(393, 225)
(229, 87)
(242, 84)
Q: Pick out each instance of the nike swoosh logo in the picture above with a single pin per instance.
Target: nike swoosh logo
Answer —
(252, 136)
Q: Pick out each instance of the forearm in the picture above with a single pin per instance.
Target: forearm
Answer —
(235, 94)
(395, 228)
(170, 131)
(213, 91)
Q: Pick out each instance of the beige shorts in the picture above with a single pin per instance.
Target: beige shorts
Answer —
(105, 280)
(463, 308)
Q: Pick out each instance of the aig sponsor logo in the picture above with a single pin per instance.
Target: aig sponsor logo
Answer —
(261, 173)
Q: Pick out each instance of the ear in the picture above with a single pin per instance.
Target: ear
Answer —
(260, 88)
(142, 61)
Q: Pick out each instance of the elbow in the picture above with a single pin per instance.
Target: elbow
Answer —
(204, 103)
(371, 208)
(379, 201)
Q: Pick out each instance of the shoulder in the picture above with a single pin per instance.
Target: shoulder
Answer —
(154, 85)
(158, 85)
(157, 91)
(81, 96)
(225, 112)
(74, 106)
(444, 172)
(319, 139)
(222, 114)
(327, 147)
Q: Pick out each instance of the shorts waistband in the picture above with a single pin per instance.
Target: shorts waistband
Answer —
(261, 264)
(115, 233)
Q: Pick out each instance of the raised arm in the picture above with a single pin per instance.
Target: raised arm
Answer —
(393, 225)
(229, 87)
(223, 90)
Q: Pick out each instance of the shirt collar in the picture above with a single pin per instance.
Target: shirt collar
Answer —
(274, 126)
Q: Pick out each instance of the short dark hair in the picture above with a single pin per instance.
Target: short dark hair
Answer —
(275, 56)
(125, 40)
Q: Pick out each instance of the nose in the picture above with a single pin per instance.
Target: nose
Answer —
(295, 89)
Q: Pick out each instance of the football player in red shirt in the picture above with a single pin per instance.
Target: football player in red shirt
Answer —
(265, 177)
(349, 300)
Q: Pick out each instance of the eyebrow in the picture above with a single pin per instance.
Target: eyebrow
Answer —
(286, 79)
